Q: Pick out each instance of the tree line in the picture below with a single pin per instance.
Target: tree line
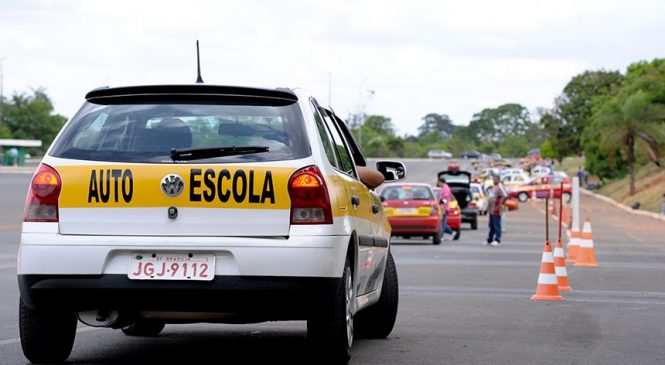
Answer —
(615, 120)
(30, 116)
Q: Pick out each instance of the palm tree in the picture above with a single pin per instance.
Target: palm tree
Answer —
(637, 121)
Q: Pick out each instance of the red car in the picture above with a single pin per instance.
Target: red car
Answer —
(454, 220)
(413, 210)
(542, 187)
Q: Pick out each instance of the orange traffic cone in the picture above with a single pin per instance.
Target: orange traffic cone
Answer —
(573, 246)
(547, 288)
(587, 254)
(560, 268)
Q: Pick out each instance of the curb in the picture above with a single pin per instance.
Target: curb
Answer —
(622, 206)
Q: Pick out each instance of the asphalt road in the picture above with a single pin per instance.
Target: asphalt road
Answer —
(460, 303)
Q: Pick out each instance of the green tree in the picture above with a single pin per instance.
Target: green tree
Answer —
(32, 117)
(573, 109)
(630, 121)
(492, 125)
(440, 124)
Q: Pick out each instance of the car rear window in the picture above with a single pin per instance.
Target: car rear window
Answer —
(407, 193)
(147, 132)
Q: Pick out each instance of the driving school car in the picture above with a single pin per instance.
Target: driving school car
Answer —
(544, 187)
(413, 210)
(202, 203)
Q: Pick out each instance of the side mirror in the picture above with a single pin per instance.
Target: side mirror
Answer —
(391, 170)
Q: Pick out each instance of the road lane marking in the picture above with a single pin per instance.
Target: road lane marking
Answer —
(18, 340)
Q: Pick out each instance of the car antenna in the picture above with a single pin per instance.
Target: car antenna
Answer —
(199, 80)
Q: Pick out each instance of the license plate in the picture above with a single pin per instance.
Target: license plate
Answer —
(171, 266)
(407, 211)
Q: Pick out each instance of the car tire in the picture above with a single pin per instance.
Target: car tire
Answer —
(458, 233)
(523, 197)
(144, 328)
(567, 197)
(436, 239)
(331, 329)
(47, 336)
(474, 224)
(378, 320)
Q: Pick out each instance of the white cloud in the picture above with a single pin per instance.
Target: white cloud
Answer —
(419, 56)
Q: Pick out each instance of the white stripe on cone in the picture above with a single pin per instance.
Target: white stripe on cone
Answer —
(560, 271)
(558, 252)
(548, 279)
(587, 243)
(547, 257)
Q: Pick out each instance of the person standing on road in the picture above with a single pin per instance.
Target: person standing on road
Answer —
(444, 200)
(497, 195)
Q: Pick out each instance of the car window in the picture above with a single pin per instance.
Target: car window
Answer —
(148, 132)
(345, 162)
(326, 138)
(407, 193)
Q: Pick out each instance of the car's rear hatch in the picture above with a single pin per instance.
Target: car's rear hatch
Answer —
(460, 185)
(153, 163)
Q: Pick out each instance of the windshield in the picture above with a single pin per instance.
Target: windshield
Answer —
(148, 132)
(407, 193)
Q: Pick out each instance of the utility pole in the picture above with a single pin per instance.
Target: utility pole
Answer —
(330, 89)
(2, 98)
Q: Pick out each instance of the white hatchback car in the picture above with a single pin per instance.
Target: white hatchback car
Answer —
(201, 203)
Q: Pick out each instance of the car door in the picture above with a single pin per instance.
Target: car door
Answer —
(366, 209)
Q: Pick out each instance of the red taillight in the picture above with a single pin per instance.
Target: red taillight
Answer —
(310, 203)
(41, 204)
(454, 211)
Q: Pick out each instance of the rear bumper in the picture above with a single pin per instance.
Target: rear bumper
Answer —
(259, 298)
(415, 225)
(454, 222)
(295, 256)
(469, 215)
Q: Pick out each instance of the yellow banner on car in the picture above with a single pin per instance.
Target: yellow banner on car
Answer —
(202, 186)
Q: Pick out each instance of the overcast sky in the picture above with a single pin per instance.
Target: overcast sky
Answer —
(453, 57)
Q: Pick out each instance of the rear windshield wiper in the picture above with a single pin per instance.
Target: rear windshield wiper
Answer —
(211, 152)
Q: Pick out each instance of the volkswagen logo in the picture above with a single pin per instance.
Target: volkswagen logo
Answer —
(172, 185)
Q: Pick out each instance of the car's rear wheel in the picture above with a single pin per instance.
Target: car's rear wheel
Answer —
(436, 239)
(523, 197)
(474, 223)
(378, 320)
(47, 336)
(144, 328)
(457, 234)
(331, 330)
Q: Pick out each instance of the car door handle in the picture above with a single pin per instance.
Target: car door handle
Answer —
(355, 200)
(375, 209)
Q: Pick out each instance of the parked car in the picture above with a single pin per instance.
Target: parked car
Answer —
(460, 185)
(542, 186)
(412, 210)
(470, 154)
(513, 181)
(479, 196)
(539, 171)
(438, 154)
(454, 219)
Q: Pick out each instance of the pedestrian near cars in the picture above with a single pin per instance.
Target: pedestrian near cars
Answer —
(444, 200)
(497, 195)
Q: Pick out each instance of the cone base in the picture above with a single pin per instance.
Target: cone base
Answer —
(546, 297)
(565, 288)
(570, 261)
